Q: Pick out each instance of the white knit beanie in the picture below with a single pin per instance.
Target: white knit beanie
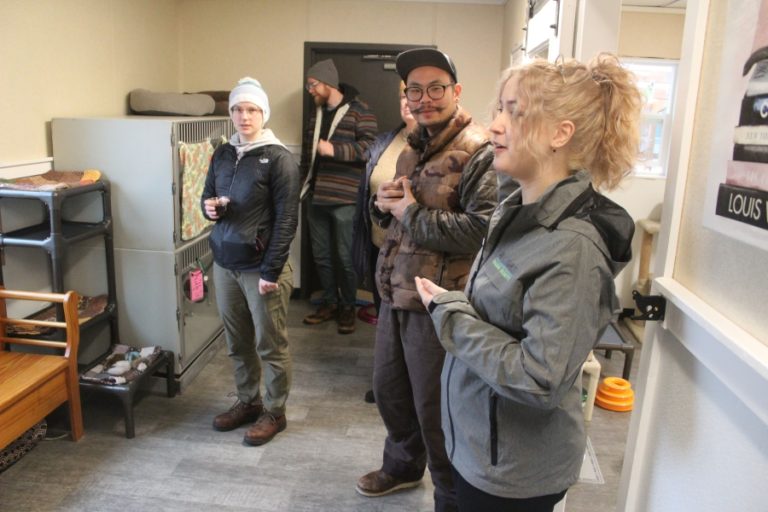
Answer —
(250, 90)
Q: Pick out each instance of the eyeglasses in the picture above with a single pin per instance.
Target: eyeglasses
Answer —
(311, 85)
(434, 91)
(251, 111)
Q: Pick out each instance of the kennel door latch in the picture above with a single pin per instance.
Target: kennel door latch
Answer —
(650, 307)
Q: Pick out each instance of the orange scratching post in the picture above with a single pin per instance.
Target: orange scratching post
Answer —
(615, 394)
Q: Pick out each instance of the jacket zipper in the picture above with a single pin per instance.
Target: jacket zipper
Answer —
(441, 272)
(494, 428)
(234, 175)
(448, 406)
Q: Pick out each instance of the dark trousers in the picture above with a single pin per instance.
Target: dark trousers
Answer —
(374, 257)
(408, 360)
(472, 499)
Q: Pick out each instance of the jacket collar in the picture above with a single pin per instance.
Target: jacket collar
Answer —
(547, 210)
(559, 196)
(611, 226)
(428, 146)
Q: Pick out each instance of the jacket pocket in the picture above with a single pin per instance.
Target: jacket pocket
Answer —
(494, 434)
(237, 254)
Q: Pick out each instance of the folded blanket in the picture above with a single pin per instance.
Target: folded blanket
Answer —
(122, 365)
(87, 308)
(53, 180)
(11, 454)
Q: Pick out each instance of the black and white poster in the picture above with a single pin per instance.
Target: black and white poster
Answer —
(738, 187)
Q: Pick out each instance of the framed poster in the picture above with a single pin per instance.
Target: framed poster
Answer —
(737, 193)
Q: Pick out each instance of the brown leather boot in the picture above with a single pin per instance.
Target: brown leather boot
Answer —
(378, 483)
(239, 414)
(346, 320)
(322, 314)
(266, 427)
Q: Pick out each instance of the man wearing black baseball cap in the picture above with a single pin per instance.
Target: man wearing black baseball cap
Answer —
(436, 212)
(410, 59)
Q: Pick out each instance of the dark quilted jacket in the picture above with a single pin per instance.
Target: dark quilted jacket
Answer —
(456, 191)
(256, 232)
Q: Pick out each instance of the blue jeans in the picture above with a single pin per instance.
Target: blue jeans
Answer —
(330, 231)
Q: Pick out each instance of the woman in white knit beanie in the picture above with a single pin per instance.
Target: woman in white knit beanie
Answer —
(252, 193)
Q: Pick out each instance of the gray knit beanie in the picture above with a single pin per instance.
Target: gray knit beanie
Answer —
(325, 71)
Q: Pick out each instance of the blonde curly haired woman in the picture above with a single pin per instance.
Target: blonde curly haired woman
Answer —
(541, 290)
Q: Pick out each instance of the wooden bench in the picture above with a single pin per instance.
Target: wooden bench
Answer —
(32, 385)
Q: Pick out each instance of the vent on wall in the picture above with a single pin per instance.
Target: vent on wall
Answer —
(199, 130)
(192, 253)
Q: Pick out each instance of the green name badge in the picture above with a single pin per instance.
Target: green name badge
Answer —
(502, 269)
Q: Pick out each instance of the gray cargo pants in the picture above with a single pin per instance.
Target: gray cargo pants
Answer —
(256, 334)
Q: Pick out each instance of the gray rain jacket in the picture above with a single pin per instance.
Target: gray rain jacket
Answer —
(541, 293)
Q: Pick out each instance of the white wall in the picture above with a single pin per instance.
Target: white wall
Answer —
(224, 40)
(651, 34)
(83, 57)
(78, 58)
(643, 199)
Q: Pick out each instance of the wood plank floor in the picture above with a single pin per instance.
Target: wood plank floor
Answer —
(177, 462)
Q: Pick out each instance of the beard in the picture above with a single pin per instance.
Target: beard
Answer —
(319, 100)
(437, 117)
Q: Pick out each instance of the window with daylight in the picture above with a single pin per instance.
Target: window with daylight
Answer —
(656, 80)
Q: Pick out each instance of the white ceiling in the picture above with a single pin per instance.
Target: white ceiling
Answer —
(675, 4)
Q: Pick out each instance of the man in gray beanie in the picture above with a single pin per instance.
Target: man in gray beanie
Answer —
(325, 71)
(333, 162)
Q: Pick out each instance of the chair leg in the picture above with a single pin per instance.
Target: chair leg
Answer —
(127, 399)
(170, 382)
(73, 404)
(628, 355)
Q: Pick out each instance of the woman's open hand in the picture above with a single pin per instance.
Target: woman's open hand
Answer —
(427, 290)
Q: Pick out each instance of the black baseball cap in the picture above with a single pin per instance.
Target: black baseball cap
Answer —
(409, 60)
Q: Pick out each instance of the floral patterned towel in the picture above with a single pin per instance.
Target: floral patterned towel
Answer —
(195, 159)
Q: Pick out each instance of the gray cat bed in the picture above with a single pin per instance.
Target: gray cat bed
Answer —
(145, 102)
